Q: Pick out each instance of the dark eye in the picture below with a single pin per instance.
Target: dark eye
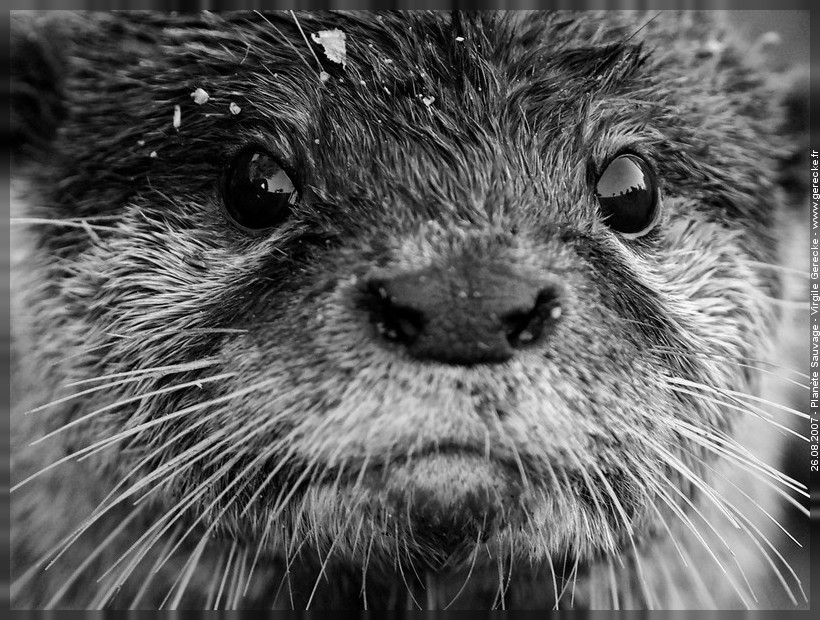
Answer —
(256, 192)
(628, 194)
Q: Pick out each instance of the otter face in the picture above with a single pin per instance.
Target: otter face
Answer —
(476, 294)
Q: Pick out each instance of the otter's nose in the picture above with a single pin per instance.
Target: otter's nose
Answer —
(468, 316)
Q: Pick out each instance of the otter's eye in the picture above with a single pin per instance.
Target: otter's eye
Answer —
(628, 194)
(256, 192)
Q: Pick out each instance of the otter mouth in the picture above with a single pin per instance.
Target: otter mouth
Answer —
(432, 506)
(442, 473)
(382, 466)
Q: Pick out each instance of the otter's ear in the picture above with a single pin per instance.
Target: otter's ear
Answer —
(36, 87)
(794, 88)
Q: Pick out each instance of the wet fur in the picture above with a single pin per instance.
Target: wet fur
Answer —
(295, 456)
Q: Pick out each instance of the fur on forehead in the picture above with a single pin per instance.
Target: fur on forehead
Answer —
(545, 62)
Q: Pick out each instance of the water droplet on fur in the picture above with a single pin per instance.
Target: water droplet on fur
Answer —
(200, 96)
(177, 117)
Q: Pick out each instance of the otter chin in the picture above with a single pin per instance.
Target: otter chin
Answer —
(441, 504)
(452, 492)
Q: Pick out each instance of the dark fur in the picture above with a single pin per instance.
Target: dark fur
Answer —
(321, 441)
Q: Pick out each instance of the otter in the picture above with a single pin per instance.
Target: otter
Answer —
(350, 310)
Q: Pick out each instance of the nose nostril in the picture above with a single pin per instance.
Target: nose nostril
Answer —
(394, 321)
(524, 328)
(404, 324)
(515, 322)
(377, 289)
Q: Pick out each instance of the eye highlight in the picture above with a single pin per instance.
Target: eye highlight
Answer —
(627, 192)
(256, 192)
